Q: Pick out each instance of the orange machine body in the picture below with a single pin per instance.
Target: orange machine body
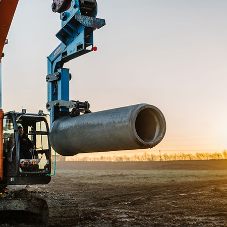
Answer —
(7, 10)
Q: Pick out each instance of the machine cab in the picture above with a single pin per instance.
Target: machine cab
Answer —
(27, 152)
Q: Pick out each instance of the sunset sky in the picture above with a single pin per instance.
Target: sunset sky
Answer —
(168, 53)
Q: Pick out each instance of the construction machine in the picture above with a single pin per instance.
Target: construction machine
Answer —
(73, 127)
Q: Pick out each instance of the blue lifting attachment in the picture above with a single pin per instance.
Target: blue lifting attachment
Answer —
(76, 35)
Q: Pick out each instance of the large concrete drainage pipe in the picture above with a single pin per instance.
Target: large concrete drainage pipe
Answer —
(127, 128)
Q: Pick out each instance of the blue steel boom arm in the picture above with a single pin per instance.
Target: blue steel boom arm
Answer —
(76, 35)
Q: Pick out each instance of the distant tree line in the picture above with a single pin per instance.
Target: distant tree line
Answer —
(152, 157)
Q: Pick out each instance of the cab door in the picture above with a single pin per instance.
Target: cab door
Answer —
(10, 147)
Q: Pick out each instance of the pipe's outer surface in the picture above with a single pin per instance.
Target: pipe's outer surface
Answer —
(127, 128)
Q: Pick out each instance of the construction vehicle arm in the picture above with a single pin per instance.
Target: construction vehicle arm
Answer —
(7, 10)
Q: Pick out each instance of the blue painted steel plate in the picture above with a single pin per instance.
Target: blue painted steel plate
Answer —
(90, 22)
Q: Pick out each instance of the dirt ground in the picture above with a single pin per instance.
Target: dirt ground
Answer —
(176, 193)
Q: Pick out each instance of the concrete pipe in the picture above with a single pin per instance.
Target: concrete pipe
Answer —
(127, 128)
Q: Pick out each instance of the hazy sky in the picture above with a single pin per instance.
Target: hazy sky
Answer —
(168, 53)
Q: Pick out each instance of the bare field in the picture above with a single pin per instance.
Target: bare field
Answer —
(176, 193)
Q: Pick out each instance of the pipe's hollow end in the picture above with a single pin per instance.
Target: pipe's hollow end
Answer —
(150, 126)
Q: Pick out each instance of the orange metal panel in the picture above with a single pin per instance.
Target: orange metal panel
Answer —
(7, 10)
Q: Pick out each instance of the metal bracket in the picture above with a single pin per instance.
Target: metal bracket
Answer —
(53, 77)
(81, 107)
(61, 103)
(68, 104)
